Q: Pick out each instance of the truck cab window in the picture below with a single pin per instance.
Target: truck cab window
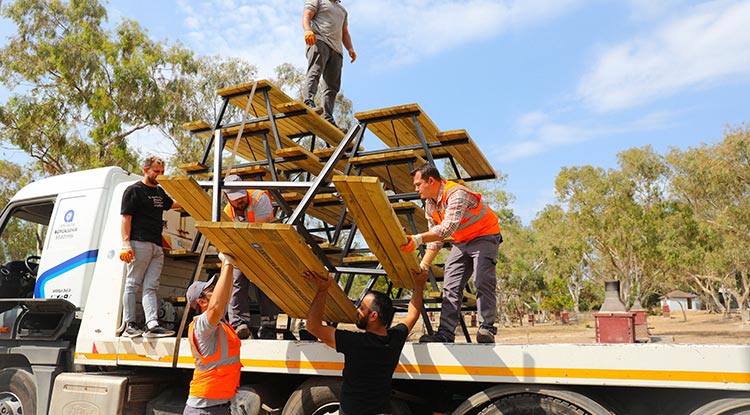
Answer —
(22, 233)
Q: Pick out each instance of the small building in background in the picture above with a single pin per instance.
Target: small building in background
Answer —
(680, 300)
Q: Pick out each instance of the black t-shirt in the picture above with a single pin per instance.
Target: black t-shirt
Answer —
(145, 204)
(369, 362)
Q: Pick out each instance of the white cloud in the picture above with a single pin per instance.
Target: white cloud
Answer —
(393, 32)
(707, 45)
(407, 31)
(545, 135)
(649, 9)
(268, 33)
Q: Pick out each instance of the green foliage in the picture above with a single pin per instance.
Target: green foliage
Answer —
(557, 298)
(84, 89)
(14, 177)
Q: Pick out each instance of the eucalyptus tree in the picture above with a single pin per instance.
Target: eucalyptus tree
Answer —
(565, 252)
(79, 89)
(620, 213)
(715, 182)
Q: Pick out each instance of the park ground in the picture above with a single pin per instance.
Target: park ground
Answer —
(697, 327)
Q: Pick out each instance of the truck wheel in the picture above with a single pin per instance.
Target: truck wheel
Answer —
(319, 396)
(246, 402)
(17, 392)
(529, 404)
(523, 400)
(728, 406)
(315, 396)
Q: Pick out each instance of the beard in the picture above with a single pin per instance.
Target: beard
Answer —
(362, 322)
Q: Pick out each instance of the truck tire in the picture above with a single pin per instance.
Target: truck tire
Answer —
(319, 396)
(17, 392)
(727, 406)
(529, 404)
(521, 400)
(246, 402)
(315, 396)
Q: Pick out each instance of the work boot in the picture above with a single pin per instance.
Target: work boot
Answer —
(132, 330)
(243, 331)
(441, 336)
(485, 335)
(158, 331)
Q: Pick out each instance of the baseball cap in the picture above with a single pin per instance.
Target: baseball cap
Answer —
(234, 194)
(195, 289)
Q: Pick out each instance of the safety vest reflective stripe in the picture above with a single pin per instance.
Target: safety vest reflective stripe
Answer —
(216, 376)
(476, 222)
(255, 196)
(224, 358)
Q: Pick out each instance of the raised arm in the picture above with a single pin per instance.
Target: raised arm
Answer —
(220, 298)
(415, 303)
(325, 333)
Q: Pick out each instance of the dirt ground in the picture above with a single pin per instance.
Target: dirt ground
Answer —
(700, 327)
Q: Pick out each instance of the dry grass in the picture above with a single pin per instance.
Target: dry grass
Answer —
(699, 328)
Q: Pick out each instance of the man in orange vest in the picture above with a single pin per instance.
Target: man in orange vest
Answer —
(454, 210)
(249, 206)
(214, 344)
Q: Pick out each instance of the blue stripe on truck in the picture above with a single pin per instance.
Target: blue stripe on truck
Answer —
(62, 268)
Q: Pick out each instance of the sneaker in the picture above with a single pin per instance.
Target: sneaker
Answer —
(267, 333)
(132, 330)
(484, 335)
(158, 331)
(439, 337)
(243, 331)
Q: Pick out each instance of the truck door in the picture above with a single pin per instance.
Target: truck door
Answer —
(23, 229)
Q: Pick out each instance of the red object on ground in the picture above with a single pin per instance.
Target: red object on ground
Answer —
(615, 327)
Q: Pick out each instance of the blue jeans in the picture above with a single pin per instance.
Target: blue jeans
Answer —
(143, 273)
(211, 410)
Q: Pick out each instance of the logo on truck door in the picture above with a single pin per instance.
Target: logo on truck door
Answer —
(62, 268)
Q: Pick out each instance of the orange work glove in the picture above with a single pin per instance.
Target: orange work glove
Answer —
(127, 255)
(353, 55)
(309, 38)
(412, 241)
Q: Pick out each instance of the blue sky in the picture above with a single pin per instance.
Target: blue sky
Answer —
(539, 85)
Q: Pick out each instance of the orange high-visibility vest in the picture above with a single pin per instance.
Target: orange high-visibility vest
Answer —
(216, 376)
(254, 198)
(480, 221)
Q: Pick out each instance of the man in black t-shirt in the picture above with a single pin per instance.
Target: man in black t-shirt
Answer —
(142, 205)
(370, 357)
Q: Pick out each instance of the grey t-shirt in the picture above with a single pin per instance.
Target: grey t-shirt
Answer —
(328, 22)
(207, 339)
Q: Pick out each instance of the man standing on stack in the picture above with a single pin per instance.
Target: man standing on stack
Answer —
(454, 210)
(325, 23)
(142, 205)
(249, 206)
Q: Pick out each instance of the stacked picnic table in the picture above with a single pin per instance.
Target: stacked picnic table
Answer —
(323, 183)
